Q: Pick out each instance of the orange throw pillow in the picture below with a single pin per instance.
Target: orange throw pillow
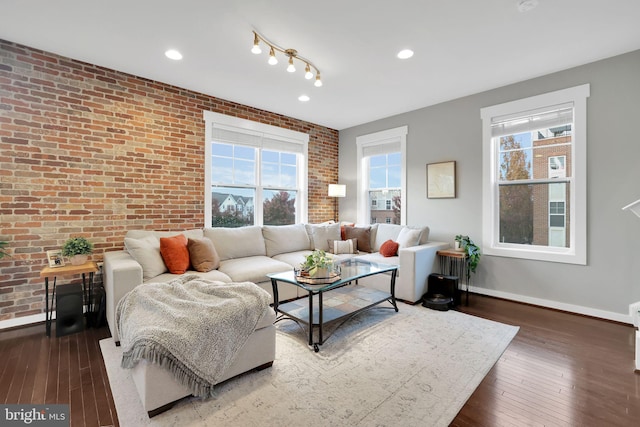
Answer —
(175, 253)
(389, 248)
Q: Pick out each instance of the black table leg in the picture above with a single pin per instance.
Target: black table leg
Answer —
(47, 321)
(274, 285)
(393, 289)
(310, 318)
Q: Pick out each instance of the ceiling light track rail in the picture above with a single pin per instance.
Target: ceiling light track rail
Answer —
(291, 54)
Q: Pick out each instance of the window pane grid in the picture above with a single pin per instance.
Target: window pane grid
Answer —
(235, 186)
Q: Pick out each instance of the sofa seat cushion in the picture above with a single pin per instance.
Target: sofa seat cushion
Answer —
(280, 239)
(252, 269)
(294, 259)
(209, 275)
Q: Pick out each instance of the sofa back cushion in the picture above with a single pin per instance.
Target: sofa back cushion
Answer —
(146, 251)
(280, 239)
(392, 231)
(239, 242)
(319, 234)
(386, 232)
(409, 237)
(144, 247)
(195, 233)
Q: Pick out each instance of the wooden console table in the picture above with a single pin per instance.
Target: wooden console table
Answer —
(456, 263)
(68, 270)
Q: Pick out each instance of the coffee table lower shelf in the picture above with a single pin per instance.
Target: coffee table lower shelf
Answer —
(340, 303)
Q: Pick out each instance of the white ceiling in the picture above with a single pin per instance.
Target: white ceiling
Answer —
(461, 47)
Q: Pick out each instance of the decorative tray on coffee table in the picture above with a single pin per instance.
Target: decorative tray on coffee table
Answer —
(305, 278)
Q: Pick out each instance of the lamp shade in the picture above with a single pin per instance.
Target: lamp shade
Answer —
(337, 190)
(633, 207)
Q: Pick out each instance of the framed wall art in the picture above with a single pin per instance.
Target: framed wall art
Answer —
(441, 180)
(55, 258)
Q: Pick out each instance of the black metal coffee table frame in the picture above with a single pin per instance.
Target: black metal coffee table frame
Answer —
(351, 271)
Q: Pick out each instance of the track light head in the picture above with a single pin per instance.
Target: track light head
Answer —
(307, 72)
(291, 53)
(256, 45)
(272, 57)
(318, 82)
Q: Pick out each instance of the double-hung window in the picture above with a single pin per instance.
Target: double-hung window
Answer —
(255, 174)
(534, 183)
(381, 177)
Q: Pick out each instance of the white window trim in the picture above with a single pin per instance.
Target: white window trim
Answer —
(251, 127)
(576, 253)
(389, 136)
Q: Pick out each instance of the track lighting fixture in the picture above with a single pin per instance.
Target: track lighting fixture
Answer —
(290, 53)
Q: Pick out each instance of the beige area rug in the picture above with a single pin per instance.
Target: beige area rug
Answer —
(416, 367)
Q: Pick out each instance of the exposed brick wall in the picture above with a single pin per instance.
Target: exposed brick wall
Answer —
(89, 151)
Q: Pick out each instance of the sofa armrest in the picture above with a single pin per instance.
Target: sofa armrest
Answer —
(122, 273)
(416, 264)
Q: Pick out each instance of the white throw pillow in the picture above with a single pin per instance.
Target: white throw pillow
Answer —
(408, 237)
(339, 247)
(147, 252)
(320, 233)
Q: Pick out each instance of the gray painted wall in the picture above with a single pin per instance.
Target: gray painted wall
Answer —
(452, 131)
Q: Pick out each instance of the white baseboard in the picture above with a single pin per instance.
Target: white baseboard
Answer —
(587, 311)
(23, 321)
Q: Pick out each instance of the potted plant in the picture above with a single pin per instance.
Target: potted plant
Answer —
(472, 250)
(77, 249)
(3, 250)
(317, 264)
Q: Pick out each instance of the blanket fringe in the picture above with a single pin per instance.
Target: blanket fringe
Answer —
(154, 353)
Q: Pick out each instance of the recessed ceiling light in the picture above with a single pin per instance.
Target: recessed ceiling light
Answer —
(173, 54)
(303, 98)
(405, 54)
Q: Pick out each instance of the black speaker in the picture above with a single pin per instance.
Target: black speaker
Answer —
(69, 317)
(442, 292)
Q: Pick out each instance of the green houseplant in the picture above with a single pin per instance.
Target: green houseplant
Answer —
(472, 250)
(77, 249)
(317, 264)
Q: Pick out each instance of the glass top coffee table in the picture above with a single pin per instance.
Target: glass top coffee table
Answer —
(347, 298)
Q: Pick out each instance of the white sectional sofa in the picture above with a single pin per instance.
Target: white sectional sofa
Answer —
(249, 253)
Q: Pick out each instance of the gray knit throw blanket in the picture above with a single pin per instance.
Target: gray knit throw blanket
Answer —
(191, 326)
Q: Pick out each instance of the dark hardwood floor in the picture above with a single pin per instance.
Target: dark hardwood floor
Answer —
(560, 369)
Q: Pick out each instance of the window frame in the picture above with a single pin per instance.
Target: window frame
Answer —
(261, 132)
(390, 137)
(576, 253)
